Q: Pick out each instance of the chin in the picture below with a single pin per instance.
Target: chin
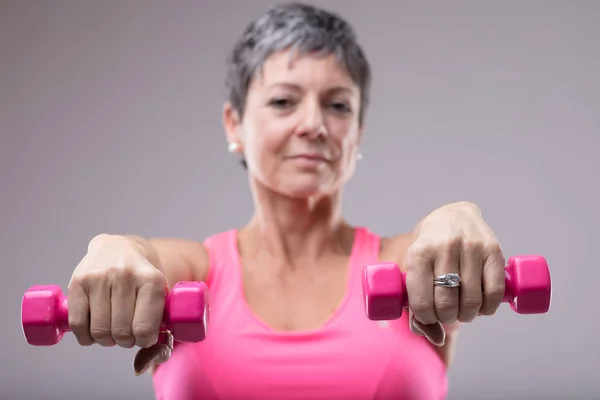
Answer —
(296, 188)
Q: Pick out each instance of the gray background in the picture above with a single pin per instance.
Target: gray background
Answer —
(110, 118)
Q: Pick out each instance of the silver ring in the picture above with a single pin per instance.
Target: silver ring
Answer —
(451, 280)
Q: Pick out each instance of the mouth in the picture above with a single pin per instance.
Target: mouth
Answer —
(309, 161)
(309, 157)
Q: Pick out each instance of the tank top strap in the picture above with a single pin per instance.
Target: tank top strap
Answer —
(366, 246)
(365, 251)
(221, 249)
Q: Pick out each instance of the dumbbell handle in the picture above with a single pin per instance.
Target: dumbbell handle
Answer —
(62, 311)
(45, 313)
(528, 290)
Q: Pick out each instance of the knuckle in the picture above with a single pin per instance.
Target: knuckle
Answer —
(495, 292)
(120, 272)
(494, 252)
(465, 316)
(143, 333)
(416, 261)
(83, 337)
(95, 276)
(471, 303)
(123, 336)
(100, 333)
(473, 246)
(104, 240)
(153, 277)
(452, 244)
(117, 273)
(78, 283)
(446, 306)
(489, 308)
(145, 341)
(99, 239)
(122, 332)
(84, 341)
(487, 311)
(421, 307)
(420, 249)
(76, 323)
(445, 252)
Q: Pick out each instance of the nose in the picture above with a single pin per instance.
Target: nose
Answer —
(312, 124)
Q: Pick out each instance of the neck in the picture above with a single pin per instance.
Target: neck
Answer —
(296, 231)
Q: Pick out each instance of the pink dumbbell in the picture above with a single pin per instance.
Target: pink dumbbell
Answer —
(528, 288)
(45, 318)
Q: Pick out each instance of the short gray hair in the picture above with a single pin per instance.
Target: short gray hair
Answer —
(304, 29)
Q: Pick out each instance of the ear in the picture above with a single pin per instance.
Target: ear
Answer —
(233, 126)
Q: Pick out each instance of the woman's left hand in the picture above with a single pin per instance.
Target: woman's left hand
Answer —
(453, 239)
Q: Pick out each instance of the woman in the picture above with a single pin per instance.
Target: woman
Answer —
(287, 318)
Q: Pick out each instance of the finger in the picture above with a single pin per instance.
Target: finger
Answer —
(493, 281)
(435, 333)
(446, 299)
(412, 324)
(147, 358)
(471, 283)
(100, 312)
(149, 307)
(79, 313)
(419, 285)
(123, 297)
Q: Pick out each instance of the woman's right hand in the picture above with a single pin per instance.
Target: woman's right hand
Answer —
(116, 296)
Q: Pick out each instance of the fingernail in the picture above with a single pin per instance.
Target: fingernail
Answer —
(442, 340)
(438, 344)
(144, 368)
(415, 328)
(433, 342)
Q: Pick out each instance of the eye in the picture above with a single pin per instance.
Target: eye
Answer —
(280, 103)
(341, 107)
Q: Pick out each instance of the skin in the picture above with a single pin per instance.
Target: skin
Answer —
(300, 135)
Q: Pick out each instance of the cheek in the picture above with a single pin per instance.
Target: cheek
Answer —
(264, 140)
(268, 140)
(347, 139)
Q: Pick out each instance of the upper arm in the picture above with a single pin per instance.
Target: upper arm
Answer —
(181, 259)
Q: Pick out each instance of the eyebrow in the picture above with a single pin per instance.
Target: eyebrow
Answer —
(292, 86)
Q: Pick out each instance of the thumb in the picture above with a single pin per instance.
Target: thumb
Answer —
(435, 333)
(147, 358)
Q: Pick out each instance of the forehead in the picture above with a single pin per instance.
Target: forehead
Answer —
(309, 70)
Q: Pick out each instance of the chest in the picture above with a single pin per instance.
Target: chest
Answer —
(295, 299)
(362, 361)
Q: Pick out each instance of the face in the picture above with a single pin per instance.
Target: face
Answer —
(300, 130)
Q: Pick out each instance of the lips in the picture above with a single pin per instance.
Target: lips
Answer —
(311, 157)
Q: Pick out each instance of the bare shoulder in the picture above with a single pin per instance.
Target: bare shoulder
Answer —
(181, 259)
(394, 248)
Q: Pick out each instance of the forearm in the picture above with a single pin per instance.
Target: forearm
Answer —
(446, 352)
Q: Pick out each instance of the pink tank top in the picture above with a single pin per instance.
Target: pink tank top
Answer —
(349, 357)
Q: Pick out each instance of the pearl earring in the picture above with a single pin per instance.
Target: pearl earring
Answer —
(233, 147)
(359, 156)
